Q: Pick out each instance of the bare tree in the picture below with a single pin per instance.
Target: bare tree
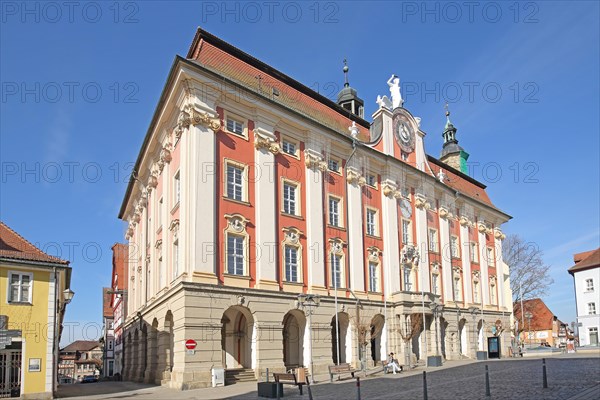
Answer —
(529, 275)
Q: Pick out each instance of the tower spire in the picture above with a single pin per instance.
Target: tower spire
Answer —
(452, 153)
(346, 83)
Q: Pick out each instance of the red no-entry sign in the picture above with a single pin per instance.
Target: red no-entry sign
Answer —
(190, 344)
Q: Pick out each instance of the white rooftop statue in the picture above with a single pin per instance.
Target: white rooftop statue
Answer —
(384, 102)
(394, 84)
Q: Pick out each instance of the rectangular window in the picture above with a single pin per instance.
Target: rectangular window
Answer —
(407, 282)
(373, 278)
(371, 222)
(589, 285)
(475, 292)
(490, 256)
(291, 264)
(176, 258)
(333, 165)
(289, 198)
(20, 287)
(177, 187)
(592, 308)
(289, 147)
(235, 254)
(334, 211)
(456, 289)
(493, 294)
(235, 126)
(235, 187)
(454, 247)
(406, 232)
(434, 283)
(336, 270)
(474, 249)
(433, 246)
(371, 180)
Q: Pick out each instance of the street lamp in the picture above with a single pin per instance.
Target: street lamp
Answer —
(474, 311)
(529, 315)
(310, 302)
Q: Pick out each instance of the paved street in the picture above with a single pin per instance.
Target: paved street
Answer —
(568, 377)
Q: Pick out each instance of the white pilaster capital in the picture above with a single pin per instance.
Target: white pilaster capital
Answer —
(264, 139)
(498, 234)
(354, 177)
(481, 227)
(421, 202)
(196, 114)
(443, 212)
(314, 160)
(464, 221)
(390, 189)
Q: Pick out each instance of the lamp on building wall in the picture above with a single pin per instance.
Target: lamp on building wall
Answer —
(68, 295)
(310, 302)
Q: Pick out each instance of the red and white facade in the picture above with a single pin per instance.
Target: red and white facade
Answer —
(250, 189)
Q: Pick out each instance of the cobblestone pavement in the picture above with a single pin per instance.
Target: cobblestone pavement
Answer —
(510, 379)
(568, 377)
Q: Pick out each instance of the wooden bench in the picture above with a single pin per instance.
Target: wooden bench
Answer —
(340, 369)
(288, 379)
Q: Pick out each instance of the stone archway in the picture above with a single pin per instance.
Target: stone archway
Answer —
(237, 329)
(294, 324)
(377, 352)
(152, 360)
(339, 338)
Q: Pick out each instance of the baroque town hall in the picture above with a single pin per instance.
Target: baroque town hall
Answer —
(279, 229)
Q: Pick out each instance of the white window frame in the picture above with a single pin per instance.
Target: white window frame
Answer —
(406, 236)
(339, 212)
(340, 270)
(333, 159)
(176, 272)
(371, 182)
(374, 281)
(177, 187)
(372, 225)
(589, 285)
(456, 288)
(407, 278)
(454, 247)
(476, 291)
(229, 116)
(288, 265)
(592, 308)
(243, 183)
(243, 238)
(295, 201)
(493, 294)
(435, 284)
(474, 252)
(10, 284)
(432, 245)
(490, 256)
(285, 142)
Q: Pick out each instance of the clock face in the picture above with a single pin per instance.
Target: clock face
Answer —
(404, 133)
(405, 208)
(376, 129)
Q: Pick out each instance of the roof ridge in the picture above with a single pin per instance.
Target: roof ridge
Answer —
(38, 250)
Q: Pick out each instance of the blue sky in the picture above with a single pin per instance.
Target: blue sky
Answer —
(79, 87)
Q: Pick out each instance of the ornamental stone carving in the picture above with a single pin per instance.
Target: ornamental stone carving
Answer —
(443, 212)
(409, 254)
(464, 221)
(236, 222)
(262, 142)
(421, 202)
(498, 234)
(314, 160)
(354, 177)
(192, 116)
(158, 244)
(174, 227)
(165, 155)
(336, 245)
(129, 232)
(481, 227)
(292, 235)
(373, 254)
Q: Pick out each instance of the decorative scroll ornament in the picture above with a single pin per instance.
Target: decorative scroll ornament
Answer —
(139, 268)
(266, 143)
(236, 222)
(464, 221)
(373, 254)
(292, 235)
(158, 244)
(443, 212)
(456, 271)
(174, 227)
(129, 233)
(435, 268)
(390, 189)
(481, 227)
(493, 280)
(196, 117)
(165, 155)
(336, 245)
(144, 198)
(476, 275)
(498, 234)
(355, 178)
(421, 202)
(154, 173)
(314, 160)
(410, 255)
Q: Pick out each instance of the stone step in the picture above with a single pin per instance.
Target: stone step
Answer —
(233, 376)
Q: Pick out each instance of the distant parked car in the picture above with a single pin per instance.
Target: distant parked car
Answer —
(89, 379)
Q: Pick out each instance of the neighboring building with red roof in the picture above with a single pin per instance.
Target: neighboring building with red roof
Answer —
(251, 190)
(118, 305)
(538, 325)
(78, 359)
(586, 279)
(34, 292)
